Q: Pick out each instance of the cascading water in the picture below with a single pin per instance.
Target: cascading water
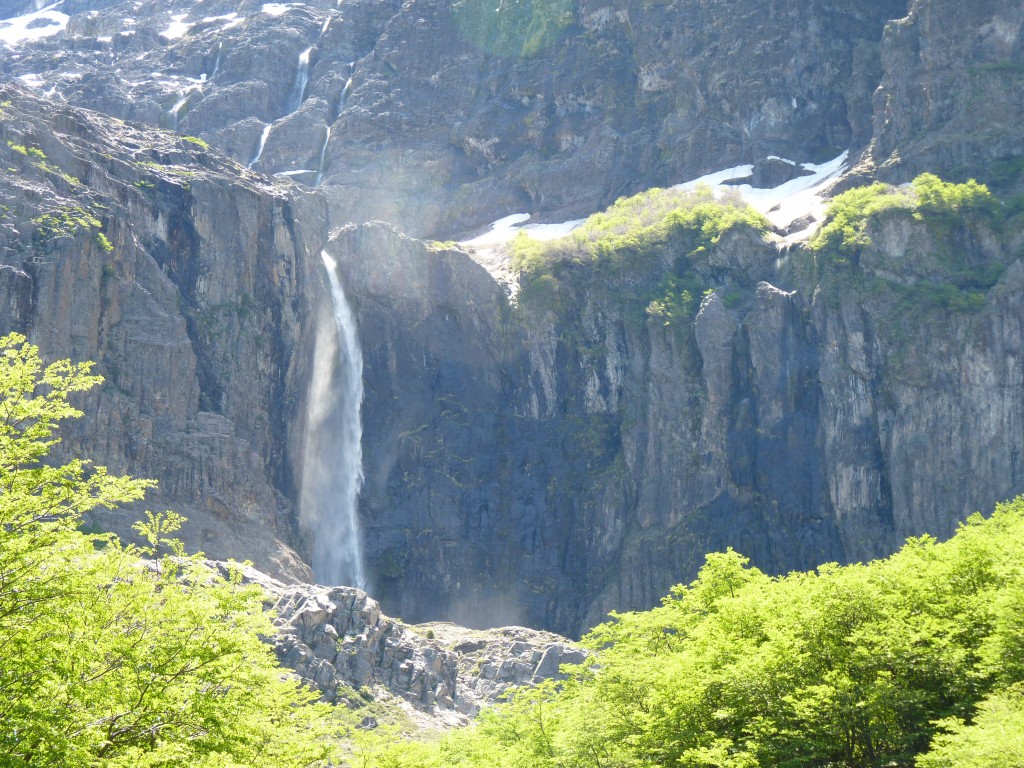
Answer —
(262, 144)
(323, 158)
(301, 79)
(175, 111)
(216, 61)
(332, 472)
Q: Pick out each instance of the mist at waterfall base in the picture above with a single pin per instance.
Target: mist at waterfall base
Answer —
(332, 472)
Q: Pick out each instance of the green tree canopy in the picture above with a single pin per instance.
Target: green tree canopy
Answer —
(120, 655)
(916, 660)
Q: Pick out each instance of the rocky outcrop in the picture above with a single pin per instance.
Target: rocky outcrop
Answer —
(948, 101)
(337, 640)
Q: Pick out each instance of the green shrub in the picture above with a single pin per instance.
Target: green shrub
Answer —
(119, 655)
(104, 242)
(634, 226)
(195, 140)
(862, 665)
(927, 198)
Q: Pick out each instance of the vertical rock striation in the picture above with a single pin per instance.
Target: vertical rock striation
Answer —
(182, 277)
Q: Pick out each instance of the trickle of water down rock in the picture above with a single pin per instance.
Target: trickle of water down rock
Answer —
(332, 471)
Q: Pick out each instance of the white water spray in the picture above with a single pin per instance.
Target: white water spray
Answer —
(323, 158)
(262, 144)
(216, 61)
(301, 79)
(175, 111)
(332, 465)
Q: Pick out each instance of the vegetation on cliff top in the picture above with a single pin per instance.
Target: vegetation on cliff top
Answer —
(929, 253)
(637, 224)
(684, 224)
(928, 197)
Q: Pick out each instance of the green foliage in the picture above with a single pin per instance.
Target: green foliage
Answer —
(39, 160)
(636, 225)
(846, 220)
(935, 197)
(195, 140)
(995, 738)
(64, 221)
(845, 227)
(513, 28)
(674, 301)
(108, 658)
(104, 242)
(916, 658)
(941, 268)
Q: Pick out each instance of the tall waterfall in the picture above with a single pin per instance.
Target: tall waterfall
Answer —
(323, 158)
(332, 465)
(262, 144)
(216, 61)
(301, 79)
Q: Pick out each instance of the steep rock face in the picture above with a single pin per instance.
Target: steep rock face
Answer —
(440, 117)
(545, 461)
(551, 461)
(182, 278)
(948, 100)
(919, 402)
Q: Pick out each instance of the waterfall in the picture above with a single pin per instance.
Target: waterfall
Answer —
(332, 463)
(263, 143)
(342, 99)
(301, 78)
(216, 61)
(175, 111)
(323, 158)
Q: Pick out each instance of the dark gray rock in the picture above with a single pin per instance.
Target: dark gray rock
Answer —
(337, 639)
(948, 101)
(457, 114)
(191, 303)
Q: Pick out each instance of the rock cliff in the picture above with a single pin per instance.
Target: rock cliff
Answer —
(548, 462)
(543, 459)
(180, 274)
(435, 116)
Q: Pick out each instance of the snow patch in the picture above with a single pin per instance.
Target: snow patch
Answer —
(275, 9)
(784, 204)
(178, 27)
(505, 229)
(33, 26)
(490, 250)
(718, 178)
(226, 17)
(32, 81)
